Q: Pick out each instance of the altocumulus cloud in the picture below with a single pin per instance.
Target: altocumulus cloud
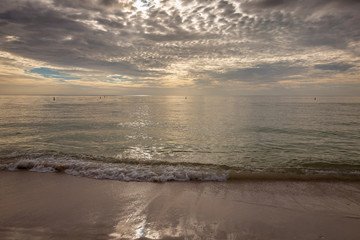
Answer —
(183, 44)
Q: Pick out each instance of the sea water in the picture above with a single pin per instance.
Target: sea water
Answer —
(163, 138)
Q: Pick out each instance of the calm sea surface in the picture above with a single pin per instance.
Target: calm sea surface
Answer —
(161, 138)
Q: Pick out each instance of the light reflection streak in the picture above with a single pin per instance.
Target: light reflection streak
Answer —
(163, 212)
(136, 225)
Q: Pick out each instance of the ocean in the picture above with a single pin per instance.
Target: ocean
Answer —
(178, 138)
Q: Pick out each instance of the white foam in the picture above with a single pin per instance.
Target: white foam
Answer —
(122, 172)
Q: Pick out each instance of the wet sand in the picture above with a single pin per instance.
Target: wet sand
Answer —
(59, 206)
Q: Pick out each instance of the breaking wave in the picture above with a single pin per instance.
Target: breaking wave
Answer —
(127, 169)
(111, 168)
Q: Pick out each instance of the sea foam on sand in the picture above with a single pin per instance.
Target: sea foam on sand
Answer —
(59, 206)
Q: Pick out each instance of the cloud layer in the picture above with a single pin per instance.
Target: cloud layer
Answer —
(235, 45)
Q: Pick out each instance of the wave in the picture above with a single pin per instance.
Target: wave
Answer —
(126, 169)
(111, 168)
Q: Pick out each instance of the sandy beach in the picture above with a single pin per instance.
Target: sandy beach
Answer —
(59, 206)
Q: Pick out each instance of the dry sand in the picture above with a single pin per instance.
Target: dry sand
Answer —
(58, 206)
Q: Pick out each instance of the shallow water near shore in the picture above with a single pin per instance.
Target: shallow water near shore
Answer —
(163, 138)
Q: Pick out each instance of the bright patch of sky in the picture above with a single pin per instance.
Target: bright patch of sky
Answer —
(122, 78)
(49, 73)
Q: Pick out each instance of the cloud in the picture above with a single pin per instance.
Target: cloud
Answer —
(124, 79)
(342, 67)
(304, 6)
(261, 73)
(178, 43)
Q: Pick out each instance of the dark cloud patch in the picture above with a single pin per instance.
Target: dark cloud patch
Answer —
(108, 2)
(269, 5)
(332, 31)
(110, 23)
(96, 5)
(341, 67)
(308, 23)
(263, 4)
(227, 7)
(178, 36)
(40, 21)
(304, 6)
(261, 73)
(56, 38)
(75, 3)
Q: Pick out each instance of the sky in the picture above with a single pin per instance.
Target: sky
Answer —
(178, 47)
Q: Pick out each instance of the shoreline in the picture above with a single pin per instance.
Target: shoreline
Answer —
(172, 173)
(57, 206)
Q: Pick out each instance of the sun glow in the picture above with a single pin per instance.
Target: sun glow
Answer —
(145, 5)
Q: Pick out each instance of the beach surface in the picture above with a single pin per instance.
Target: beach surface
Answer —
(59, 206)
